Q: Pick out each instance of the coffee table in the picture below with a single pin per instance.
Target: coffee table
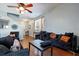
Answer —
(37, 45)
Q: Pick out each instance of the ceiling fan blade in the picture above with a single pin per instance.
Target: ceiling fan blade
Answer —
(28, 10)
(29, 5)
(13, 6)
(12, 14)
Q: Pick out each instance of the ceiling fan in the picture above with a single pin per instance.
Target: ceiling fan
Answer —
(23, 7)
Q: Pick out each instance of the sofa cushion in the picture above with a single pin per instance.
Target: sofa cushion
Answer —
(7, 41)
(53, 35)
(4, 48)
(64, 38)
(58, 44)
(22, 52)
(69, 34)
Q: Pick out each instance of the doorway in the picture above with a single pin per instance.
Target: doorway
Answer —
(39, 25)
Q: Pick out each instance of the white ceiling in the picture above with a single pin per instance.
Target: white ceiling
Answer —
(38, 9)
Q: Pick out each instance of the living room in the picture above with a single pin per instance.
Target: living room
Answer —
(59, 18)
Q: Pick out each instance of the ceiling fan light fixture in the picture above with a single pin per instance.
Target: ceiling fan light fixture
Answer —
(21, 8)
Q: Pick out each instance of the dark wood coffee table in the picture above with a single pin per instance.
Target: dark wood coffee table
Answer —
(37, 45)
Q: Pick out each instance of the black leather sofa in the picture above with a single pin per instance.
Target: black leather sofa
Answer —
(5, 51)
(70, 46)
(43, 35)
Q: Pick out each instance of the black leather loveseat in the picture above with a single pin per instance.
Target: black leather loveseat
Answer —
(70, 45)
(5, 51)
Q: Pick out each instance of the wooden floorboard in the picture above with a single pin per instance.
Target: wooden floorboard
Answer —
(56, 51)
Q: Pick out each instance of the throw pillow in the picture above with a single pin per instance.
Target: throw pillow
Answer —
(53, 36)
(65, 38)
(69, 34)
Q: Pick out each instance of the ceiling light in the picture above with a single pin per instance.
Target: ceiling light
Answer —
(21, 8)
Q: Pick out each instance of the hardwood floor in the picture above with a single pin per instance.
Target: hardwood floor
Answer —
(56, 51)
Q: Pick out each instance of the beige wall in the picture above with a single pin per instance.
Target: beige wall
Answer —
(64, 18)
